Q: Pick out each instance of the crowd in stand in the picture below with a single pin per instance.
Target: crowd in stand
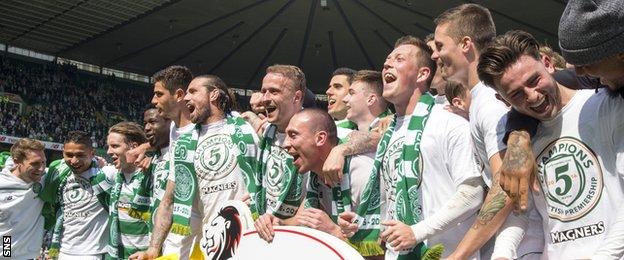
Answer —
(59, 99)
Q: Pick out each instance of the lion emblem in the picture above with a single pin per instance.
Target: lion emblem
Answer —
(222, 235)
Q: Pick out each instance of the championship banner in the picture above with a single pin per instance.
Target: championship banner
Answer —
(231, 235)
(7, 139)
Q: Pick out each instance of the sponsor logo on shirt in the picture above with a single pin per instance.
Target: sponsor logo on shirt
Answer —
(571, 178)
(220, 187)
(215, 157)
(576, 233)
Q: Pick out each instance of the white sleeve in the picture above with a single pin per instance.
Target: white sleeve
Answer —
(464, 203)
(489, 123)
(460, 153)
(613, 245)
(511, 234)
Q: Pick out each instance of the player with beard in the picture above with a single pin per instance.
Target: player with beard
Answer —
(283, 89)
(365, 103)
(336, 91)
(451, 185)
(579, 150)
(461, 34)
(209, 167)
(311, 135)
(157, 133)
(130, 194)
(76, 199)
(20, 207)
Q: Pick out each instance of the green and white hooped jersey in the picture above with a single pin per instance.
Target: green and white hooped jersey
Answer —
(580, 159)
(134, 232)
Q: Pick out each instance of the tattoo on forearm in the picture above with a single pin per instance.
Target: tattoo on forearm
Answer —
(361, 142)
(161, 227)
(164, 218)
(490, 209)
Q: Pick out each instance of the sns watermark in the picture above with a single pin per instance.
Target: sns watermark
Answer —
(6, 246)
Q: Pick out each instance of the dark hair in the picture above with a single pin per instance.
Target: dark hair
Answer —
(174, 77)
(78, 137)
(470, 20)
(503, 52)
(454, 89)
(226, 97)
(322, 122)
(423, 57)
(372, 79)
(345, 72)
(130, 130)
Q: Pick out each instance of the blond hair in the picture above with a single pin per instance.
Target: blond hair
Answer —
(294, 73)
(20, 149)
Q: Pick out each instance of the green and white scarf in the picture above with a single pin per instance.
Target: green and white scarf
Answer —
(52, 193)
(408, 173)
(157, 165)
(139, 209)
(186, 178)
(368, 211)
(291, 181)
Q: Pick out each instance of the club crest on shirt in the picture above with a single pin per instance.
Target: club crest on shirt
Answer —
(215, 157)
(184, 184)
(77, 192)
(571, 178)
(277, 172)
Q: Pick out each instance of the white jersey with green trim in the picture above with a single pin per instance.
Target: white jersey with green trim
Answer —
(20, 215)
(580, 159)
(447, 161)
(360, 167)
(85, 220)
(218, 174)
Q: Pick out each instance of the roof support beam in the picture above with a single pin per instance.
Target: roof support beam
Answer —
(306, 36)
(352, 31)
(266, 57)
(254, 33)
(175, 36)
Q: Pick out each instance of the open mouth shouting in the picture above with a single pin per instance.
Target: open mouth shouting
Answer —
(540, 106)
(270, 109)
(389, 78)
(190, 107)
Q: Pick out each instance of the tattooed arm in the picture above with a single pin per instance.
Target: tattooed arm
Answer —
(162, 225)
(491, 217)
(518, 169)
(359, 142)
